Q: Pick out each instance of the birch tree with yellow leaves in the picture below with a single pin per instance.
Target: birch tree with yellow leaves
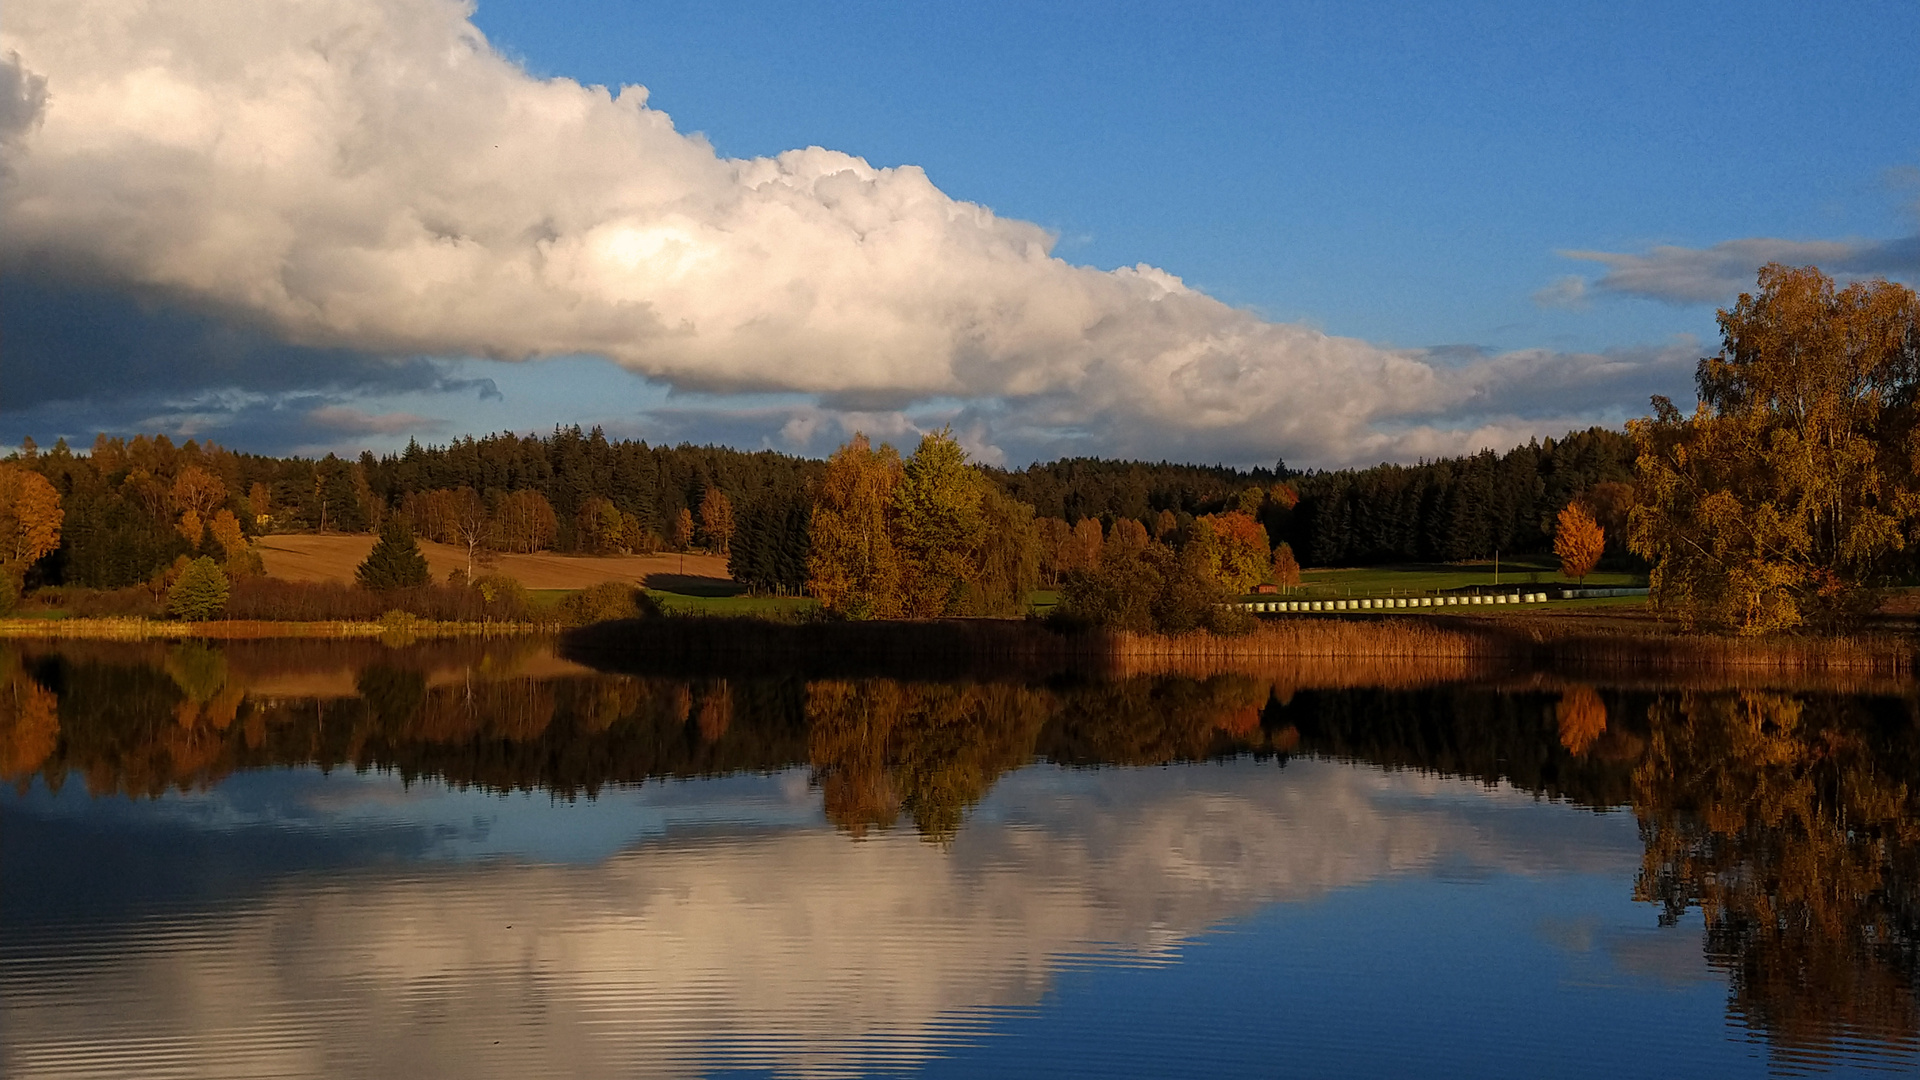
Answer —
(852, 567)
(30, 518)
(1790, 494)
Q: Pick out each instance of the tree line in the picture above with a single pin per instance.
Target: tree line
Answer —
(118, 513)
(1789, 497)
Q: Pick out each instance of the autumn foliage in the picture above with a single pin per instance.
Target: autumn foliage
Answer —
(1790, 494)
(1578, 541)
(30, 518)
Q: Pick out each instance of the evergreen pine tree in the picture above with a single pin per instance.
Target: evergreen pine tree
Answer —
(200, 593)
(395, 561)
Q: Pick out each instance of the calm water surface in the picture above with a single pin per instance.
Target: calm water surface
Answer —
(483, 861)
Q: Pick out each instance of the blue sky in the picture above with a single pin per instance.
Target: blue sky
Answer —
(1403, 173)
(1426, 230)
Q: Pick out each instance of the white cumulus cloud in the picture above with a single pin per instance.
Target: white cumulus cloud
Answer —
(371, 174)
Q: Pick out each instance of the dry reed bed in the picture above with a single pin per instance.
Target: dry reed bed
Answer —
(1563, 648)
(1322, 652)
(242, 630)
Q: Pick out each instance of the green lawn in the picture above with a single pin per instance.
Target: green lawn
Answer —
(1417, 578)
(687, 604)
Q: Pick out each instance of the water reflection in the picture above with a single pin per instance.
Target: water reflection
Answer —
(1781, 822)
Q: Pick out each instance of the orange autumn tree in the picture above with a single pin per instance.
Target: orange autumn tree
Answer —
(1286, 569)
(1578, 540)
(716, 520)
(30, 518)
(852, 567)
(196, 494)
(1236, 551)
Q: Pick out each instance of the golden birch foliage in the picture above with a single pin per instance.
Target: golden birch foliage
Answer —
(524, 522)
(226, 532)
(1083, 546)
(198, 490)
(1790, 493)
(30, 518)
(260, 502)
(599, 524)
(852, 567)
(1054, 537)
(1578, 540)
(683, 529)
(939, 526)
(1128, 533)
(1286, 569)
(716, 519)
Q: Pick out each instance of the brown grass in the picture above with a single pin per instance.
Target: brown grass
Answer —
(333, 557)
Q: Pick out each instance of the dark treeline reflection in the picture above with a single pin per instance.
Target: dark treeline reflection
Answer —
(1790, 820)
(143, 720)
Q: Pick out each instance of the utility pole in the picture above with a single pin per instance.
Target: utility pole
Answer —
(1496, 568)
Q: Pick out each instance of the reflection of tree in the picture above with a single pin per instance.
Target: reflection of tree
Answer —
(879, 746)
(1477, 732)
(29, 721)
(1792, 825)
(1152, 721)
(1582, 718)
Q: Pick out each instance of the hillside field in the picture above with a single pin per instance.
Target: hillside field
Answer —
(333, 557)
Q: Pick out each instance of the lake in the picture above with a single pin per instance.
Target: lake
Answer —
(475, 860)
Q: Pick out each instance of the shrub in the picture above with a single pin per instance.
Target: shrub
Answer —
(604, 602)
(199, 593)
(1145, 588)
(134, 601)
(502, 597)
(491, 597)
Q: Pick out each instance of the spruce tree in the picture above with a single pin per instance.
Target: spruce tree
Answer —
(200, 593)
(395, 561)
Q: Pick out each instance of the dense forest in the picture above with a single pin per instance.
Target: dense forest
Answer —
(132, 506)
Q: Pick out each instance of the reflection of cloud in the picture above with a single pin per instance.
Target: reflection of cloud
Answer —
(1667, 955)
(799, 951)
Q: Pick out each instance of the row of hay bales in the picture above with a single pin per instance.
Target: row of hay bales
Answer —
(1382, 603)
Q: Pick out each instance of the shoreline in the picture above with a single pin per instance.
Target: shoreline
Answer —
(138, 629)
(1371, 647)
(1024, 649)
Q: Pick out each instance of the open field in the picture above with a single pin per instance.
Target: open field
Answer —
(333, 557)
(679, 603)
(1416, 578)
